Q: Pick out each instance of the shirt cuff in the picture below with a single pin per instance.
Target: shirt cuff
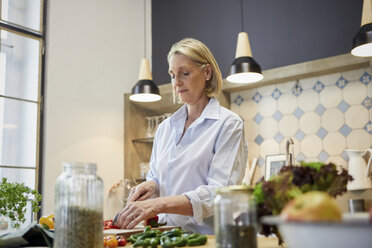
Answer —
(150, 177)
(196, 206)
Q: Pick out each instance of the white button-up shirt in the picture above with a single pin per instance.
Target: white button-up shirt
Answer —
(212, 153)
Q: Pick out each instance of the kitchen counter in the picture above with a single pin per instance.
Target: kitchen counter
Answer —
(262, 242)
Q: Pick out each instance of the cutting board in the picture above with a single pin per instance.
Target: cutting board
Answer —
(127, 232)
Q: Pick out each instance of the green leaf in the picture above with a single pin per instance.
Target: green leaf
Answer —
(13, 201)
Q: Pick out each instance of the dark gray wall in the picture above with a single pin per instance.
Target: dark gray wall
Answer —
(281, 32)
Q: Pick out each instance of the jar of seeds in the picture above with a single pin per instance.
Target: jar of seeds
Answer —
(78, 207)
(235, 217)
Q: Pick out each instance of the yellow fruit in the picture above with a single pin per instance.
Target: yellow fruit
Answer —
(312, 206)
(47, 221)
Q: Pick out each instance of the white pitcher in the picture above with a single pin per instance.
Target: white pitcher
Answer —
(360, 169)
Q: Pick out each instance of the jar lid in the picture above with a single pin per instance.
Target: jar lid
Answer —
(79, 167)
(234, 189)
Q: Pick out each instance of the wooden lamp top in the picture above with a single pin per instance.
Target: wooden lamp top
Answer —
(243, 48)
(367, 12)
(145, 72)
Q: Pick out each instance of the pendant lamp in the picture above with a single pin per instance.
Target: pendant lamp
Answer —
(145, 90)
(244, 68)
(362, 42)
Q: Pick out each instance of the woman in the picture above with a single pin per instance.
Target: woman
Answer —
(199, 148)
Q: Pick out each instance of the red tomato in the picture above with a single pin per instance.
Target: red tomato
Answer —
(151, 221)
(154, 222)
(121, 240)
(107, 224)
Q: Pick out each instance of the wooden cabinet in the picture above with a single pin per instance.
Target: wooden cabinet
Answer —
(137, 148)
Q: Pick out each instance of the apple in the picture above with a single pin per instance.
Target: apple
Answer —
(312, 206)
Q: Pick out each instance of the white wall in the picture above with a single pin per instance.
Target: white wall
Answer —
(94, 48)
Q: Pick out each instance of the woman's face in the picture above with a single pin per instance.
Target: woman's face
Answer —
(188, 79)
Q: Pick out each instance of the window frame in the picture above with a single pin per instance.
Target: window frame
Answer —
(41, 37)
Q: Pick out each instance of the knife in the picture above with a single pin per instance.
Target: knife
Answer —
(116, 218)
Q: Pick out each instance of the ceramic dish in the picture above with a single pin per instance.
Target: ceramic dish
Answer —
(354, 231)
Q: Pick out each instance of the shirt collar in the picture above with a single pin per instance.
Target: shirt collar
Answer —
(211, 111)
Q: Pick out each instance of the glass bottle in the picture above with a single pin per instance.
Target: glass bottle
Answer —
(78, 207)
(156, 124)
(149, 129)
(235, 224)
(127, 185)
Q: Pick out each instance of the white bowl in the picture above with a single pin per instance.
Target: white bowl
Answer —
(354, 231)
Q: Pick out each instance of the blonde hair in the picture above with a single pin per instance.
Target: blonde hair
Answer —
(201, 56)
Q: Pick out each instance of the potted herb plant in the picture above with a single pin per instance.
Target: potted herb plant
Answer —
(13, 201)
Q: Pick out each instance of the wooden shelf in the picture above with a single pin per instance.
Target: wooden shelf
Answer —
(144, 140)
(136, 148)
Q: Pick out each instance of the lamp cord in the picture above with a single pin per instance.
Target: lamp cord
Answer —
(144, 35)
(242, 14)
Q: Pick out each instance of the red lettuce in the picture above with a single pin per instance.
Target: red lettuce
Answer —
(271, 196)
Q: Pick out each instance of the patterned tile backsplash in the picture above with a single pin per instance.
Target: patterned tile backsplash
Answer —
(324, 115)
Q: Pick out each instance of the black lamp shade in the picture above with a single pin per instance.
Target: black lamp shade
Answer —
(362, 42)
(245, 67)
(145, 91)
(244, 64)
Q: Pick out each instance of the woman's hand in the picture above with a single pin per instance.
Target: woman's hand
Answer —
(144, 191)
(135, 212)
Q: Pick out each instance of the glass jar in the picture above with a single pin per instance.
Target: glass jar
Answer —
(235, 224)
(78, 207)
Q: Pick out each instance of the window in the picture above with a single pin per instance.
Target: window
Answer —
(22, 33)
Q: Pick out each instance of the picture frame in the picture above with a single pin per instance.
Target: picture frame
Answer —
(273, 164)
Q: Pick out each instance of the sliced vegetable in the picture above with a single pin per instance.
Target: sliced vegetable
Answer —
(108, 224)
